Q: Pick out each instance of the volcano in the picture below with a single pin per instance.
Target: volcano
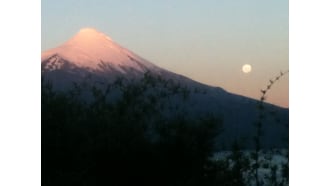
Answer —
(95, 51)
(91, 58)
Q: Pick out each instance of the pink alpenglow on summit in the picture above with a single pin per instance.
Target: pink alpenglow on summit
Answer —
(92, 60)
(89, 47)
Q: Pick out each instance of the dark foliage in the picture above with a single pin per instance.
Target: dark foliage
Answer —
(117, 143)
(259, 128)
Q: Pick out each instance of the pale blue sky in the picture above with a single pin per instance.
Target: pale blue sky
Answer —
(207, 40)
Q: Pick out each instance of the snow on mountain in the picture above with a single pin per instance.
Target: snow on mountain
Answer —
(91, 57)
(94, 50)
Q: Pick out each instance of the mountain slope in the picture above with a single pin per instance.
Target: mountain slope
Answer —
(91, 58)
(90, 49)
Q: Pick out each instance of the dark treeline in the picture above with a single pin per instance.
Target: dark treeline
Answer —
(127, 141)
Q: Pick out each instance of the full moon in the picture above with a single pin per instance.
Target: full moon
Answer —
(246, 68)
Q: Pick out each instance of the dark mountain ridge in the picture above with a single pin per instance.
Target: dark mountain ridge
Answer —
(91, 60)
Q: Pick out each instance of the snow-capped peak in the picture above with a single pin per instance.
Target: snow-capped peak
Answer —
(85, 32)
(90, 48)
(88, 36)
